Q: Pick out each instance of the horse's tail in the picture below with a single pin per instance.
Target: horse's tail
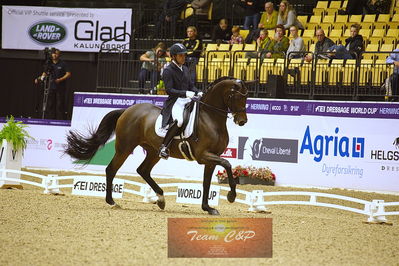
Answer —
(84, 148)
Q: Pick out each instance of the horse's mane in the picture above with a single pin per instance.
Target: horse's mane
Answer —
(210, 86)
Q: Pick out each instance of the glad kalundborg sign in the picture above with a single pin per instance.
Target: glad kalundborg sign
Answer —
(68, 29)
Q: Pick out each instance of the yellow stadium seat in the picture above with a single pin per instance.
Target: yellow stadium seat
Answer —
(347, 33)
(385, 48)
(329, 19)
(214, 69)
(224, 47)
(250, 47)
(293, 63)
(321, 69)
(334, 71)
(341, 19)
(348, 73)
(370, 48)
(395, 17)
(344, 4)
(303, 20)
(211, 47)
(271, 34)
(314, 22)
(355, 18)
(335, 4)
(364, 73)
(377, 34)
(335, 33)
(266, 69)
(312, 47)
(382, 21)
(331, 11)
(239, 68)
(370, 18)
(365, 33)
(308, 33)
(391, 36)
(237, 47)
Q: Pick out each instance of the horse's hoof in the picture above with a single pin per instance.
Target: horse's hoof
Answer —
(231, 197)
(110, 202)
(161, 204)
(115, 207)
(213, 212)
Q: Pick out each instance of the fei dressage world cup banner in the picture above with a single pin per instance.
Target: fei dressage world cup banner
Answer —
(68, 29)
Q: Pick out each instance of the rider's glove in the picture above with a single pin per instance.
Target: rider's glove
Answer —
(190, 94)
(199, 94)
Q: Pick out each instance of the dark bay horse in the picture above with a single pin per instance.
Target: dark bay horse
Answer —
(135, 126)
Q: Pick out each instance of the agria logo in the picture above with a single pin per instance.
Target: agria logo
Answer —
(334, 145)
(47, 32)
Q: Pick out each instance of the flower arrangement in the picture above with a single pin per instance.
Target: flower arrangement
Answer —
(15, 133)
(262, 173)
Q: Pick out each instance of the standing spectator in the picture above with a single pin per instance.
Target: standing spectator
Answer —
(153, 61)
(236, 38)
(287, 16)
(394, 59)
(221, 32)
(57, 73)
(279, 44)
(268, 21)
(296, 44)
(322, 45)
(194, 47)
(170, 12)
(252, 13)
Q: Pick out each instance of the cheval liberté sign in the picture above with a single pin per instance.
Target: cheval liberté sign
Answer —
(96, 186)
(68, 29)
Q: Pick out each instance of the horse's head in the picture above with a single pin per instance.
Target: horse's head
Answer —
(236, 99)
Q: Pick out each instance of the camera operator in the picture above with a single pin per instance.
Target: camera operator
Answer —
(56, 73)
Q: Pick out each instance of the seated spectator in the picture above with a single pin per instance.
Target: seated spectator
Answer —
(200, 11)
(221, 32)
(268, 21)
(236, 38)
(264, 45)
(287, 16)
(252, 10)
(153, 61)
(353, 46)
(353, 7)
(194, 47)
(394, 59)
(279, 45)
(322, 45)
(378, 6)
(296, 44)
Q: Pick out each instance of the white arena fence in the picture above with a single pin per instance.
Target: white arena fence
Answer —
(257, 200)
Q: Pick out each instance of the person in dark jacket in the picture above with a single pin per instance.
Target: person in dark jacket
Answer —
(180, 90)
(252, 12)
(221, 32)
(194, 47)
(170, 12)
(322, 45)
(354, 44)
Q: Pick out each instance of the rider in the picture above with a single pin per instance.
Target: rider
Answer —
(180, 89)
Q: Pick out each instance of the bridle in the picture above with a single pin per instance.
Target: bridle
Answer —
(232, 93)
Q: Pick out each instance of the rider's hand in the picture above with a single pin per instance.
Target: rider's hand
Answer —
(199, 94)
(190, 94)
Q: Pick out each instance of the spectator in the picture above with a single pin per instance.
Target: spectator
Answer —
(56, 73)
(200, 10)
(221, 32)
(280, 43)
(353, 7)
(269, 18)
(394, 59)
(264, 45)
(268, 21)
(296, 44)
(170, 12)
(322, 45)
(153, 61)
(236, 38)
(287, 16)
(194, 47)
(378, 6)
(353, 46)
(252, 15)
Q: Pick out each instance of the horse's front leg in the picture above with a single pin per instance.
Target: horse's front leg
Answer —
(208, 170)
(210, 158)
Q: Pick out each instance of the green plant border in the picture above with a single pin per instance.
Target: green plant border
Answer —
(14, 132)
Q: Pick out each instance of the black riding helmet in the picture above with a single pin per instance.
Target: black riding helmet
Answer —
(177, 48)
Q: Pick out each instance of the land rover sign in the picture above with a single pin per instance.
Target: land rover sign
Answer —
(47, 32)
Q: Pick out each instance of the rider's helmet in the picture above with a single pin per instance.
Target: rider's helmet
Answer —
(178, 48)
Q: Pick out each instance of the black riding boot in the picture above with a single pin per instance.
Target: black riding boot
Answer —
(164, 149)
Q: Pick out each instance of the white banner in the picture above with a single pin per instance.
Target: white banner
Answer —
(192, 194)
(96, 186)
(68, 29)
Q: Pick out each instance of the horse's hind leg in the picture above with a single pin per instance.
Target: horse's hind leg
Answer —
(116, 162)
(144, 170)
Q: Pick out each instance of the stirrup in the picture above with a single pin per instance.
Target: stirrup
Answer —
(164, 152)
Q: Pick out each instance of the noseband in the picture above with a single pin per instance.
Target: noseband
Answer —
(232, 93)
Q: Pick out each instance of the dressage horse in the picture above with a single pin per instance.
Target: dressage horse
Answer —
(135, 126)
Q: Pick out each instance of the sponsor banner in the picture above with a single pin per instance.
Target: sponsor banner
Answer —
(96, 186)
(219, 238)
(192, 194)
(68, 29)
